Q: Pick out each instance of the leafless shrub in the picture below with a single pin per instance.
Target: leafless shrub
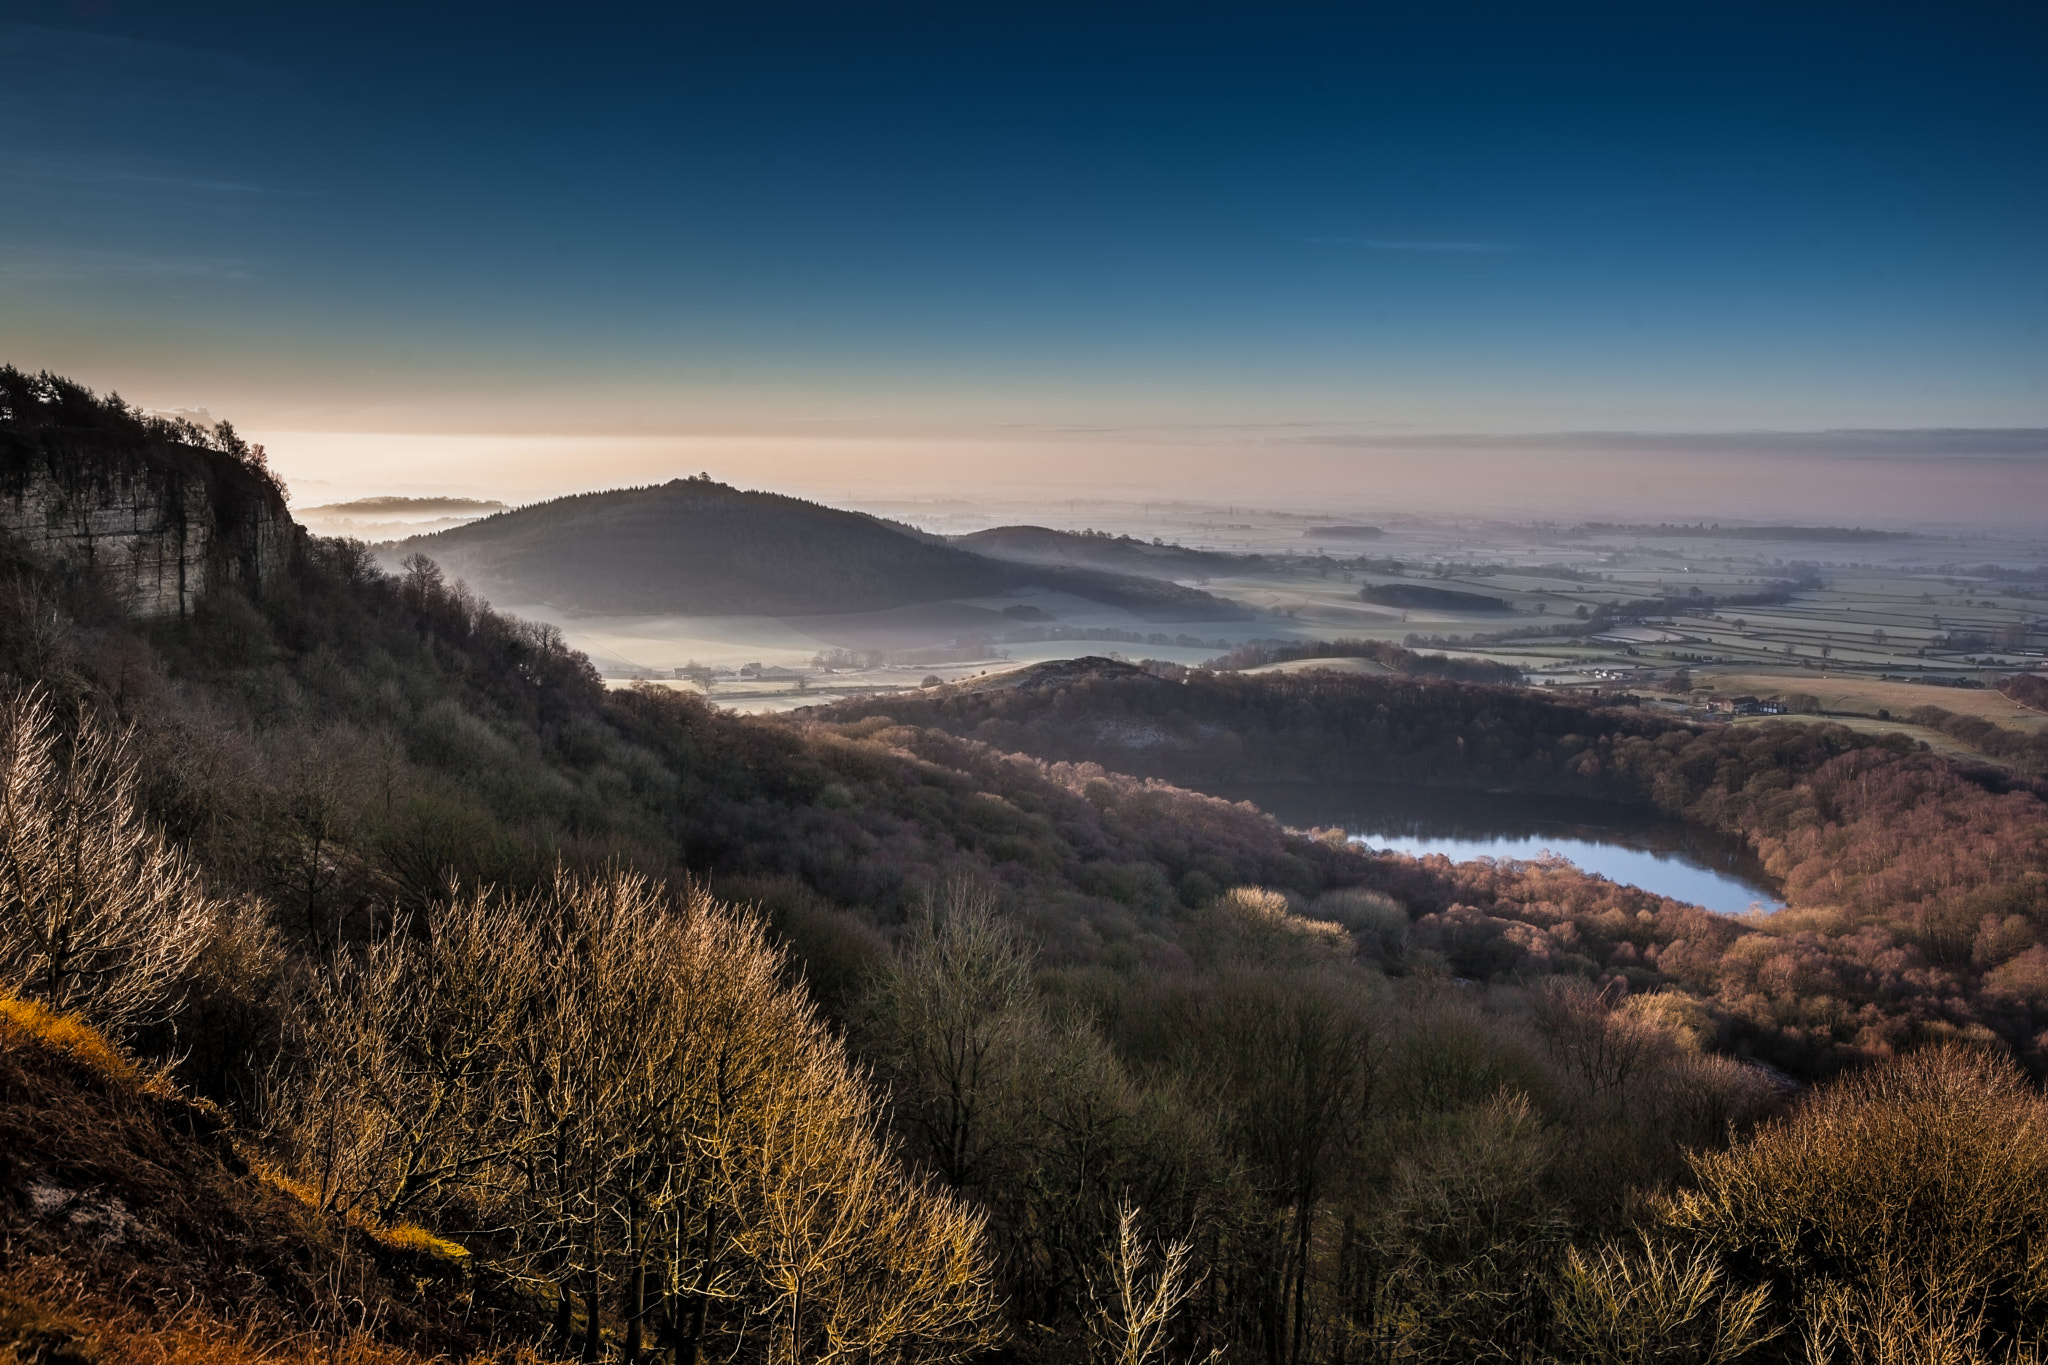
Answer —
(949, 1021)
(1254, 925)
(99, 914)
(1888, 1321)
(1470, 1232)
(412, 1044)
(1605, 1050)
(1377, 922)
(1641, 1304)
(629, 1087)
(1917, 1192)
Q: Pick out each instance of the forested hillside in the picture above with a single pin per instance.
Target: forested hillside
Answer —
(697, 547)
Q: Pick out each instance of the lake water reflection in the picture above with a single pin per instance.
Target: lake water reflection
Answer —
(1620, 843)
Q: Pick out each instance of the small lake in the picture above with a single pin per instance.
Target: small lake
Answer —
(1620, 843)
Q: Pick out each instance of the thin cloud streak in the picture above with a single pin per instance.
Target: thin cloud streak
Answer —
(1395, 244)
(23, 263)
(134, 175)
(183, 182)
(2010, 443)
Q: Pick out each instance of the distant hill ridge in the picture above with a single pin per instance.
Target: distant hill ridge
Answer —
(1842, 534)
(697, 547)
(384, 506)
(1100, 550)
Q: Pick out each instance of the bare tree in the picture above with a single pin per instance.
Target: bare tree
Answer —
(946, 1024)
(1132, 1313)
(1295, 1067)
(320, 793)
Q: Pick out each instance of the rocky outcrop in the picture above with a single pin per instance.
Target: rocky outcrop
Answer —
(161, 524)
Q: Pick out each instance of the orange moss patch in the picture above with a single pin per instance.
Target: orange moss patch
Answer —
(69, 1034)
(409, 1238)
(278, 1180)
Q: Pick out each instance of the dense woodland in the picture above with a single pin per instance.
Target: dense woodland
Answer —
(43, 412)
(379, 976)
(1430, 598)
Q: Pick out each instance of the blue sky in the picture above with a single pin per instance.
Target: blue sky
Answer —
(1346, 219)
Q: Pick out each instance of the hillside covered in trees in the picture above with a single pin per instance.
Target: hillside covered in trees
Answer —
(378, 985)
(1914, 887)
(698, 547)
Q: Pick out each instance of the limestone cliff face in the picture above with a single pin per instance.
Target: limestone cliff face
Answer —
(162, 524)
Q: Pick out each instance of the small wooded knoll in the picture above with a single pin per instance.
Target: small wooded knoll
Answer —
(698, 547)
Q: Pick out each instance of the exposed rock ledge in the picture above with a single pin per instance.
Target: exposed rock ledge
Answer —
(162, 524)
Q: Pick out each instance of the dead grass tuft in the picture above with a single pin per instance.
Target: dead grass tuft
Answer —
(33, 1333)
(412, 1238)
(49, 1316)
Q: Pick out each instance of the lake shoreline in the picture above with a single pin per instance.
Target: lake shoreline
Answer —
(1627, 844)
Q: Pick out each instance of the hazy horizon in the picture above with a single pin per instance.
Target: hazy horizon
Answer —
(1990, 481)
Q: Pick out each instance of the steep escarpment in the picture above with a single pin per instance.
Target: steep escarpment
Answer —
(160, 512)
